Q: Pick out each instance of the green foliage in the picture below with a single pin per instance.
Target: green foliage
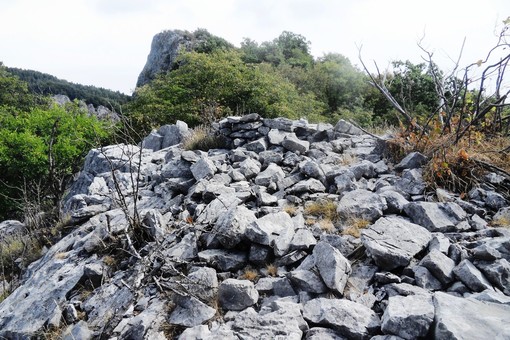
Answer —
(14, 93)
(45, 84)
(42, 148)
(208, 43)
(208, 86)
(289, 48)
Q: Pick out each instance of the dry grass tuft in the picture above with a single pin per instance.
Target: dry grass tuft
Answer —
(110, 261)
(272, 270)
(323, 209)
(501, 222)
(290, 209)
(348, 159)
(354, 227)
(203, 138)
(250, 274)
(60, 255)
(327, 226)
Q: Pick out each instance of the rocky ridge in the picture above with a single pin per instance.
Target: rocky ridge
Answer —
(227, 244)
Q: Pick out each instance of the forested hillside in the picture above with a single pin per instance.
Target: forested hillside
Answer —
(46, 84)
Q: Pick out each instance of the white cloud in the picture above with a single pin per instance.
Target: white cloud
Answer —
(106, 42)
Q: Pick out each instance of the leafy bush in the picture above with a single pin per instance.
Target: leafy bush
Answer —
(42, 148)
(206, 87)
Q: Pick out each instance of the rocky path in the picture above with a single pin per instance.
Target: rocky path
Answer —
(299, 231)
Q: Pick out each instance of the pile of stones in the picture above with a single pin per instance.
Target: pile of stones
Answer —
(242, 243)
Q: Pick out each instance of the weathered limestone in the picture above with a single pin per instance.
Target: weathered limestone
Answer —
(393, 241)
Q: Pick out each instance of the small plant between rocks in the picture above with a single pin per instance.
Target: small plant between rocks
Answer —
(203, 138)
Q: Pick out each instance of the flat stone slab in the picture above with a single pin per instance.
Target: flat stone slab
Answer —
(460, 318)
(393, 241)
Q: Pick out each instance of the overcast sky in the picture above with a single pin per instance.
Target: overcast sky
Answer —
(106, 42)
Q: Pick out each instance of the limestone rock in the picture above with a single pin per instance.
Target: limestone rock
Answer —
(266, 229)
(440, 265)
(409, 317)
(224, 260)
(471, 276)
(361, 204)
(295, 145)
(411, 161)
(237, 294)
(344, 127)
(441, 217)
(204, 168)
(393, 241)
(190, 312)
(272, 174)
(459, 318)
(231, 225)
(333, 267)
(307, 281)
(279, 320)
(348, 318)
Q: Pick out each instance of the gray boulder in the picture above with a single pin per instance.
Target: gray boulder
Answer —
(333, 267)
(276, 321)
(459, 318)
(440, 265)
(257, 146)
(224, 260)
(296, 145)
(344, 127)
(491, 296)
(393, 241)
(349, 319)
(412, 161)
(310, 185)
(236, 294)
(173, 134)
(441, 217)
(409, 317)
(395, 201)
(249, 168)
(267, 228)
(361, 204)
(231, 225)
(272, 174)
(425, 279)
(307, 281)
(302, 239)
(497, 272)
(79, 330)
(190, 312)
(321, 333)
(11, 227)
(202, 282)
(204, 168)
(471, 276)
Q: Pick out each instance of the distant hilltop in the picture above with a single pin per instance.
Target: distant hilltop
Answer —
(165, 48)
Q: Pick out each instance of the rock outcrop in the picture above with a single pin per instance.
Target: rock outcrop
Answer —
(297, 231)
(165, 47)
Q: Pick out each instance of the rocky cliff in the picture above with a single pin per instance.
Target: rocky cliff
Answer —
(297, 231)
(164, 50)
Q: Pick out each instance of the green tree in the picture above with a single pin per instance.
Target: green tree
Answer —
(414, 88)
(14, 92)
(42, 148)
(209, 86)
